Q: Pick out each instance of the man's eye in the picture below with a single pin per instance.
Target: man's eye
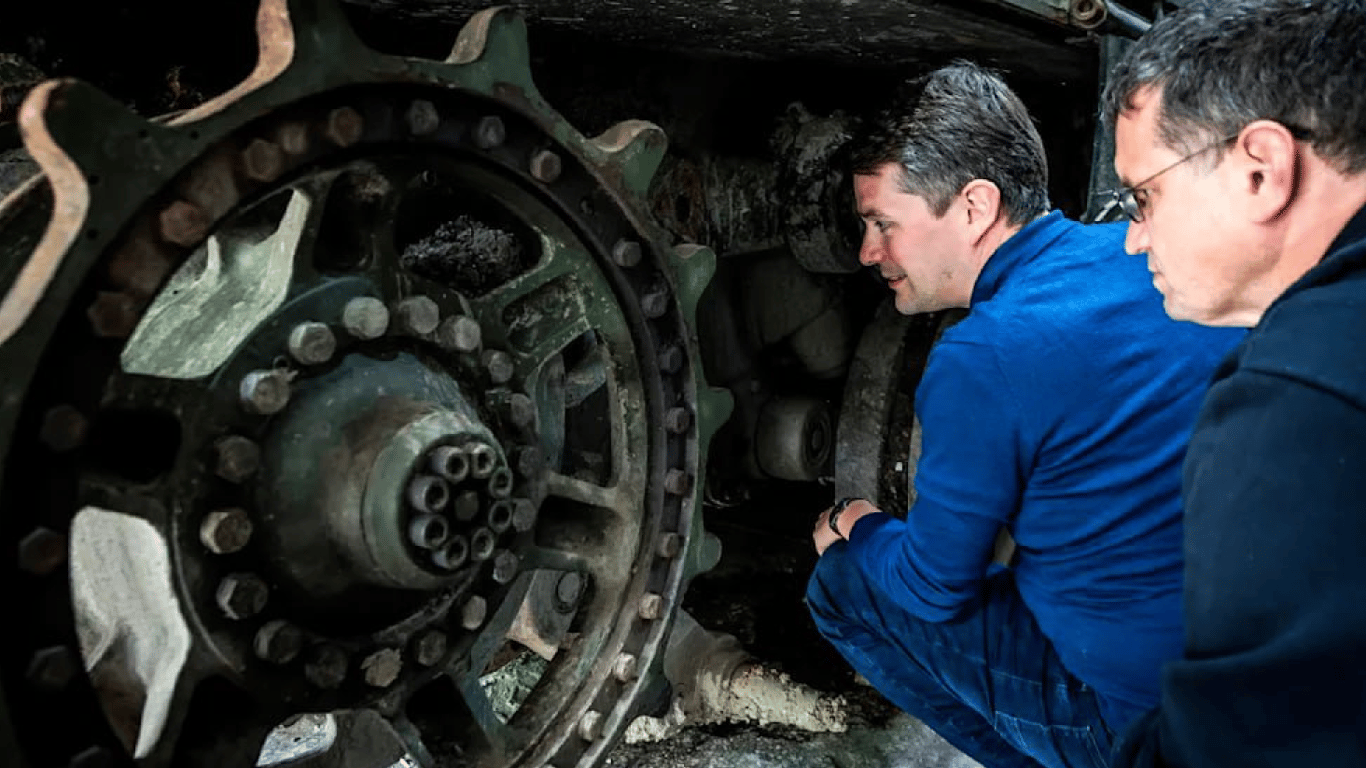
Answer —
(1141, 199)
(881, 226)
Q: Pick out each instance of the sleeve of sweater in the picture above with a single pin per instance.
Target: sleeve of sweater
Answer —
(1272, 674)
(968, 485)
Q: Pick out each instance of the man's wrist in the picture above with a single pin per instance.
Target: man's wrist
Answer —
(838, 509)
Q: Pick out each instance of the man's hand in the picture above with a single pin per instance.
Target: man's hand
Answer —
(824, 537)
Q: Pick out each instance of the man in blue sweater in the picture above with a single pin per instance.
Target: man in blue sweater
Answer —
(1241, 132)
(1058, 408)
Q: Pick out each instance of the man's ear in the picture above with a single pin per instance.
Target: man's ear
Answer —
(1267, 162)
(982, 201)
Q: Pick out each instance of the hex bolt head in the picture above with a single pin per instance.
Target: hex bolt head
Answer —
(677, 482)
(505, 566)
(677, 420)
(42, 551)
(365, 318)
(473, 612)
(113, 315)
(590, 725)
(422, 118)
(519, 411)
(500, 516)
(671, 359)
(344, 126)
(429, 531)
(382, 667)
(651, 606)
(278, 642)
(529, 460)
(467, 506)
(451, 463)
(626, 253)
(52, 669)
(523, 515)
(312, 343)
(569, 591)
(94, 757)
(482, 542)
(237, 458)
(626, 667)
(500, 484)
(430, 648)
(459, 334)
(293, 138)
(498, 365)
(654, 304)
(263, 160)
(326, 667)
(242, 595)
(483, 460)
(64, 429)
(669, 546)
(428, 494)
(454, 555)
(490, 132)
(183, 223)
(264, 392)
(225, 531)
(546, 166)
(417, 315)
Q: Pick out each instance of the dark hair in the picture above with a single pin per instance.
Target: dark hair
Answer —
(954, 125)
(1221, 64)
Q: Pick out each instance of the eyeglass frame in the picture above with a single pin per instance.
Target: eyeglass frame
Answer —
(1125, 198)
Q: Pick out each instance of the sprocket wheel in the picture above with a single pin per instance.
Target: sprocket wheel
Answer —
(315, 395)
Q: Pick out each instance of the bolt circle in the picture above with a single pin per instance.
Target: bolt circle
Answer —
(546, 166)
(460, 334)
(312, 343)
(382, 668)
(429, 531)
(422, 118)
(365, 318)
(42, 551)
(64, 429)
(326, 667)
(278, 642)
(242, 595)
(417, 315)
(473, 612)
(225, 531)
(430, 648)
(237, 458)
(264, 392)
(490, 132)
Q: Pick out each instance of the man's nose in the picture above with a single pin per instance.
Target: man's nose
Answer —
(1136, 238)
(868, 252)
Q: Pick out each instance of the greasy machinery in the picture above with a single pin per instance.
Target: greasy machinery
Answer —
(332, 392)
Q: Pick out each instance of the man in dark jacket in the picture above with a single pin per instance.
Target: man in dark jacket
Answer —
(1241, 132)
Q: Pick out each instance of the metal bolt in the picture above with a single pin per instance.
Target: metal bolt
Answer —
(459, 334)
(451, 463)
(454, 555)
(505, 566)
(498, 364)
(651, 606)
(278, 642)
(382, 667)
(671, 359)
(545, 166)
(429, 494)
(265, 392)
(42, 551)
(238, 458)
(625, 667)
(466, 506)
(483, 460)
(677, 420)
(655, 304)
(64, 428)
(293, 138)
(500, 483)
(590, 725)
(52, 669)
(94, 757)
(500, 516)
(242, 595)
(670, 544)
(490, 132)
(482, 542)
(262, 160)
(626, 253)
(1087, 12)
(312, 343)
(569, 590)
(519, 411)
(528, 460)
(114, 315)
(326, 667)
(523, 515)
(365, 318)
(430, 648)
(417, 315)
(428, 531)
(473, 612)
(677, 482)
(139, 267)
(183, 223)
(225, 531)
(344, 126)
(422, 118)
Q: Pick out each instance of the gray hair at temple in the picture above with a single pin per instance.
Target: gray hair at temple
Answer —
(954, 125)
(1221, 64)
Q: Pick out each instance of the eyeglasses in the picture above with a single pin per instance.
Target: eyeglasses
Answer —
(1132, 200)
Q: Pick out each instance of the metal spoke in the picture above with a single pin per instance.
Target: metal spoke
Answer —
(584, 492)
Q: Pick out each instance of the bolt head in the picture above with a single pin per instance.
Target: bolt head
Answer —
(500, 484)
(482, 542)
(677, 482)
(225, 531)
(52, 669)
(64, 429)
(429, 531)
(505, 566)
(473, 612)
(242, 595)
(490, 132)
(670, 545)
(417, 315)
(365, 318)
(263, 160)
(293, 138)
(454, 555)
(312, 343)
(183, 223)
(451, 463)
(278, 642)
(264, 392)
(459, 334)
(625, 668)
(237, 458)
(430, 648)
(114, 315)
(529, 461)
(422, 118)
(626, 253)
(545, 166)
(42, 551)
(654, 304)
(569, 591)
(677, 420)
(671, 359)
(467, 505)
(139, 268)
(382, 668)
(326, 667)
(498, 364)
(428, 494)
(344, 126)
(483, 460)
(590, 726)
(651, 606)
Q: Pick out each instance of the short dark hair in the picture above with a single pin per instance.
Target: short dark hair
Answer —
(1221, 64)
(959, 123)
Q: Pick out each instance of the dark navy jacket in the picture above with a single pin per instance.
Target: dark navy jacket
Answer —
(1059, 407)
(1274, 672)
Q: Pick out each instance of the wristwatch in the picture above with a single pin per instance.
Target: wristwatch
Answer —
(835, 511)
